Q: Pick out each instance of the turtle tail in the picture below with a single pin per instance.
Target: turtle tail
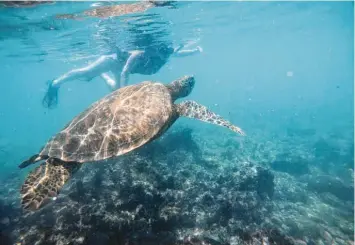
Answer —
(45, 182)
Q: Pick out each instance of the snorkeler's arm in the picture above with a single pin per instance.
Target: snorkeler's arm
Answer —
(95, 69)
(178, 48)
(186, 52)
(128, 67)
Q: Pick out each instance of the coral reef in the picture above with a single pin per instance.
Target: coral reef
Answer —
(186, 188)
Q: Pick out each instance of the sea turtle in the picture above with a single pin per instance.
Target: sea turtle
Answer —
(116, 10)
(118, 123)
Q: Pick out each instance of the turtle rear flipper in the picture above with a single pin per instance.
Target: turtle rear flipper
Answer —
(32, 160)
(45, 182)
(192, 109)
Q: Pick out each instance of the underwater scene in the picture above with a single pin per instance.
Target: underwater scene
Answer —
(176, 122)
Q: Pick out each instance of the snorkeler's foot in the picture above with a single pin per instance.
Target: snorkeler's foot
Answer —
(200, 49)
(51, 97)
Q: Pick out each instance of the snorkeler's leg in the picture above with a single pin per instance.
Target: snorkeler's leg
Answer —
(111, 83)
(130, 63)
(124, 78)
(94, 69)
(50, 99)
(87, 73)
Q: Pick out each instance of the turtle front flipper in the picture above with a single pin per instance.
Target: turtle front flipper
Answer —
(192, 109)
(45, 182)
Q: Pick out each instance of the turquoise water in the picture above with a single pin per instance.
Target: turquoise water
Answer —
(282, 71)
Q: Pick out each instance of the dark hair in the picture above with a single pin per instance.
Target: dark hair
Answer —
(165, 48)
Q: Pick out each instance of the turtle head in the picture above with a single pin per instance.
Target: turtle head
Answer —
(181, 87)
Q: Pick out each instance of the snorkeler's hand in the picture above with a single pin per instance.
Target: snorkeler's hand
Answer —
(51, 97)
(200, 49)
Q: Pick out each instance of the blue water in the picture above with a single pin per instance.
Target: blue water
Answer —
(282, 71)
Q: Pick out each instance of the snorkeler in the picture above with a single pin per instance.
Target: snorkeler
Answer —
(146, 62)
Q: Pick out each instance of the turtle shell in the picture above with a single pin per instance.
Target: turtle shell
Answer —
(118, 123)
